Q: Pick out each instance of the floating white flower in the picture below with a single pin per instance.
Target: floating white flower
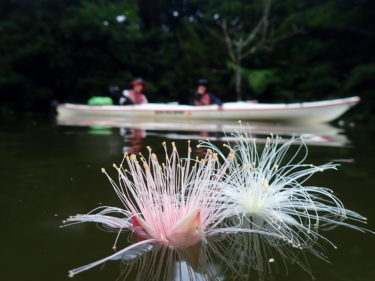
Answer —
(267, 190)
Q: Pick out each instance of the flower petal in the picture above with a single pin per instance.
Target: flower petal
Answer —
(186, 232)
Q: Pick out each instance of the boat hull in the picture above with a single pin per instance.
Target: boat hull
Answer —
(307, 112)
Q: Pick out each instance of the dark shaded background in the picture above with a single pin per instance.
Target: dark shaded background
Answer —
(71, 50)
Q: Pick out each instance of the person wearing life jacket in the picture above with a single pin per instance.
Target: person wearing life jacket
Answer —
(135, 95)
(203, 97)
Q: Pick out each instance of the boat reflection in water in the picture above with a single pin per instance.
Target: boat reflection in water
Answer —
(133, 138)
(134, 130)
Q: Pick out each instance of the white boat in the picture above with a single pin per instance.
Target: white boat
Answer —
(305, 112)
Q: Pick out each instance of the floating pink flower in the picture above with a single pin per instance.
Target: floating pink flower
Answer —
(176, 203)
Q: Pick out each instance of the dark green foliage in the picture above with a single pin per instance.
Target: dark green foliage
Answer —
(72, 50)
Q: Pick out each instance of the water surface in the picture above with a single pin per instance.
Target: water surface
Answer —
(51, 171)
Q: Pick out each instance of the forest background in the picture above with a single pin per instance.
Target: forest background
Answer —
(68, 51)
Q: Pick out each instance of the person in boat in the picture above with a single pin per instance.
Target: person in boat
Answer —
(135, 95)
(203, 97)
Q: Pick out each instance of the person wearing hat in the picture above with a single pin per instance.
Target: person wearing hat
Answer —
(135, 95)
(203, 97)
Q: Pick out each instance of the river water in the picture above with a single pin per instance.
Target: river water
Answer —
(50, 169)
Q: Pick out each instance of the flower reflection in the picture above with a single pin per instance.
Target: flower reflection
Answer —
(163, 263)
(235, 256)
(254, 256)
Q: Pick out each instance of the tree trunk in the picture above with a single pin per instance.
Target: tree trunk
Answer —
(238, 80)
